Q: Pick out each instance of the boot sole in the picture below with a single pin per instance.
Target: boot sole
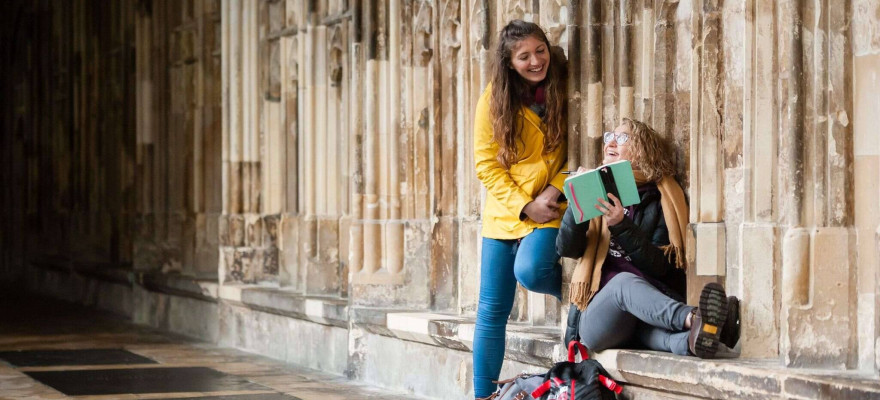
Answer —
(713, 312)
(731, 333)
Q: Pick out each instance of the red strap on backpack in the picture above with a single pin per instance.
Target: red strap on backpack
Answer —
(540, 390)
(604, 380)
(610, 384)
(581, 347)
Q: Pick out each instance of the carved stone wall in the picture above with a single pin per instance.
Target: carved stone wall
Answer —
(178, 136)
(324, 148)
(67, 145)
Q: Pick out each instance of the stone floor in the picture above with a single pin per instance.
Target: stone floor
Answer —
(53, 350)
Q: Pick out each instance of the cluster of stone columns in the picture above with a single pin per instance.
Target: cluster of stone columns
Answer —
(325, 147)
(67, 158)
(177, 137)
(347, 162)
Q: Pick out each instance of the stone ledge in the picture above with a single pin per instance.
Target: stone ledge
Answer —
(274, 300)
(734, 378)
(201, 289)
(119, 274)
(527, 344)
(643, 371)
(649, 370)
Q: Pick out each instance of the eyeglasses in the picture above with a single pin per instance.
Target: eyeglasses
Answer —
(621, 137)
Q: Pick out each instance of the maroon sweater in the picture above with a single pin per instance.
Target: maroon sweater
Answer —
(617, 261)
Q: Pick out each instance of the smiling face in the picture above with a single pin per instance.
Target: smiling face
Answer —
(530, 58)
(612, 151)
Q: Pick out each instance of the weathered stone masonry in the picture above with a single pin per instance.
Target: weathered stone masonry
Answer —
(271, 174)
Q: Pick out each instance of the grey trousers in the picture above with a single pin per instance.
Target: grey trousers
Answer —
(629, 307)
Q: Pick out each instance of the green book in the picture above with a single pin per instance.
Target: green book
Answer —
(582, 190)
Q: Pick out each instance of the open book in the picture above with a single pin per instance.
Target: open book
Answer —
(583, 189)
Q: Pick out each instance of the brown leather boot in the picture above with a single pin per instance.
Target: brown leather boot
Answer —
(707, 321)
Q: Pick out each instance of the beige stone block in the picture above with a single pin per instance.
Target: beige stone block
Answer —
(345, 224)
(198, 229)
(274, 179)
(441, 249)
(253, 230)
(245, 265)
(865, 27)
(695, 282)
(294, 13)
(289, 271)
(710, 248)
(867, 218)
(223, 233)
(819, 333)
(867, 320)
(760, 301)
(796, 267)
(866, 102)
(319, 255)
(236, 228)
(226, 265)
(321, 278)
(212, 229)
(271, 230)
(469, 266)
(277, 15)
(308, 230)
(328, 240)
(270, 264)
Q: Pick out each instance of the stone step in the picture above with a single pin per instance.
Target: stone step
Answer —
(437, 345)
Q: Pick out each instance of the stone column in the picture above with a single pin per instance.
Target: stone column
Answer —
(706, 234)
(321, 168)
(476, 53)
(817, 315)
(758, 234)
(866, 171)
(441, 234)
(357, 62)
(241, 227)
(393, 248)
(289, 241)
(591, 143)
(626, 60)
(209, 117)
(144, 127)
(370, 203)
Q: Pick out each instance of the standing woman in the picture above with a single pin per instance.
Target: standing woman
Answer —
(520, 151)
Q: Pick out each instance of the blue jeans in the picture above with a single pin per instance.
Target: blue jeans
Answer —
(532, 261)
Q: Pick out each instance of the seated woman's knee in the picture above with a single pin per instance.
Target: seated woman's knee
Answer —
(622, 280)
(594, 344)
(618, 287)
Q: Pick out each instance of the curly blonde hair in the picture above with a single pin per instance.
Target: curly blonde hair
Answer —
(508, 89)
(651, 152)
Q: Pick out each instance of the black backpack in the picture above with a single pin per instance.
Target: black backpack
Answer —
(584, 380)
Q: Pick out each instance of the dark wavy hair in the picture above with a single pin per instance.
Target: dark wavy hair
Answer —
(509, 88)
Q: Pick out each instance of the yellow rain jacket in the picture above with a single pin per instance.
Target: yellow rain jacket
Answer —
(508, 191)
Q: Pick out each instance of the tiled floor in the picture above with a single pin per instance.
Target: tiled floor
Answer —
(55, 350)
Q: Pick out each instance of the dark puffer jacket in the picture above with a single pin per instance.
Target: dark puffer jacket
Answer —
(640, 237)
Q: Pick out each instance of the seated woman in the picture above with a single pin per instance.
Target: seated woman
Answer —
(630, 278)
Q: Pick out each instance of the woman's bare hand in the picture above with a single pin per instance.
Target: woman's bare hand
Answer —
(611, 211)
(544, 208)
